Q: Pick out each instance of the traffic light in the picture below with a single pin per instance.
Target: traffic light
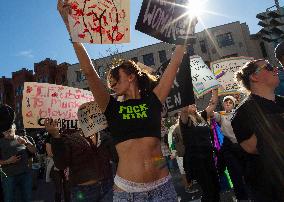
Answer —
(273, 25)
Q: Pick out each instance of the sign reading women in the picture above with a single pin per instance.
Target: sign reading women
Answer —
(61, 103)
(225, 70)
(100, 21)
(166, 20)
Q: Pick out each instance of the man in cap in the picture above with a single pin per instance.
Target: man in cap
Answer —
(231, 152)
(14, 153)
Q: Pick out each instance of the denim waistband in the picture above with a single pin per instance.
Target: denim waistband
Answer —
(131, 187)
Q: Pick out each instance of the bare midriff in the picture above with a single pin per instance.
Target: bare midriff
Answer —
(141, 160)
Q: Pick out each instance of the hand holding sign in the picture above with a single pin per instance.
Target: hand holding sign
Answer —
(97, 21)
(91, 119)
(64, 10)
(51, 127)
(166, 20)
(203, 79)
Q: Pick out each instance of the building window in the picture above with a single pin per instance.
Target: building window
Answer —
(162, 56)
(203, 46)
(101, 71)
(148, 59)
(63, 79)
(230, 56)
(80, 76)
(225, 40)
(19, 90)
(135, 59)
(263, 49)
(45, 79)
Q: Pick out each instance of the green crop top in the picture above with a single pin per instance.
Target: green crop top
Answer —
(134, 118)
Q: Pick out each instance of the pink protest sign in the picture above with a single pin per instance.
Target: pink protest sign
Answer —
(43, 100)
(100, 21)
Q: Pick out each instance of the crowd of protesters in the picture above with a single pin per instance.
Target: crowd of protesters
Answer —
(132, 159)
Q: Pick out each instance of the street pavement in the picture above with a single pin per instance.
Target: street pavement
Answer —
(45, 191)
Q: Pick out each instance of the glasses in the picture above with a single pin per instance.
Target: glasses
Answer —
(267, 66)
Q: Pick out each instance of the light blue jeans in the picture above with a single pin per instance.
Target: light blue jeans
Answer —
(17, 187)
(165, 192)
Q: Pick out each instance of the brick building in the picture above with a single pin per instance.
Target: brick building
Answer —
(61, 74)
(6, 91)
(18, 78)
(45, 71)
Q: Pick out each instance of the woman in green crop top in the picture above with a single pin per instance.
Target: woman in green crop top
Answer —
(141, 174)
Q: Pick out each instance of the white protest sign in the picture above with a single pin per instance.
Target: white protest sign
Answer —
(91, 119)
(225, 69)
(61, 103)
(203, 79)
(100, 21)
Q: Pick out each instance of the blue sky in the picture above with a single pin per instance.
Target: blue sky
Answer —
(32, 30)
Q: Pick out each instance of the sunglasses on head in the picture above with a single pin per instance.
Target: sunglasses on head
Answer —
(267, 66)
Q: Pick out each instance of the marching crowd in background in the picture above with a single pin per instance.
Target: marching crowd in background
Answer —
(132, 160)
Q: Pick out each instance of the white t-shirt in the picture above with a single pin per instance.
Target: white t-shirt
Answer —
(225, 120)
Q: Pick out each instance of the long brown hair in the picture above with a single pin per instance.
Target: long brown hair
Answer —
(146, 82)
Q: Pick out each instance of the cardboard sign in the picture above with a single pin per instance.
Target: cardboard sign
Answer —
(100, 21)
(166, 20)
(225, 69)
(203, 79)
(91, 119)
(61, 103)
(181, 93)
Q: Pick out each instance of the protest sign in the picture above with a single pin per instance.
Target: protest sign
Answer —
(225, 69)
(181, 93)
(166, 20)
(100, 21)
(91, 119)
(61, 103)
(203, 79)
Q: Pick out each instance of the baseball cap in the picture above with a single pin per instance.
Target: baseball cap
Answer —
(229, 97)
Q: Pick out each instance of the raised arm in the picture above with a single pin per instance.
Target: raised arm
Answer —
(212, 103)
(97, 87)
(184, 116)
(163, 88)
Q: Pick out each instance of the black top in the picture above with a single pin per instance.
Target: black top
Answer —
(134, 118)
(265, 119)
(196, 137)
